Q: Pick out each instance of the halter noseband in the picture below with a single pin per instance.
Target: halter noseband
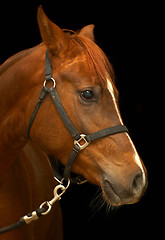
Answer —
(78, 138)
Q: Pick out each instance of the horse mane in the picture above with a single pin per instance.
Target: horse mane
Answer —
(97, 61)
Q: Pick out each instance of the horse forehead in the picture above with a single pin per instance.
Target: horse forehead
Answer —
(78, 61)
(76, 69)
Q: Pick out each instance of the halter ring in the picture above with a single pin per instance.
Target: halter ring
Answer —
(54, 82)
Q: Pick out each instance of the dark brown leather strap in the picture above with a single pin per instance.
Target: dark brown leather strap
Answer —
(77, 145)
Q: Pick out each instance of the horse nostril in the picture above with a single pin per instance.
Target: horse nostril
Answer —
(137, 184)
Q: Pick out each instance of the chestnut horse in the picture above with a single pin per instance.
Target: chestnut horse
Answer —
(84, 82)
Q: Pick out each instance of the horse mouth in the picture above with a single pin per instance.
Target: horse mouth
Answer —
(110, 195)
(112, 198)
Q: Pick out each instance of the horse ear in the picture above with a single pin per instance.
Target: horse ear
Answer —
(87, 31)
(53, 36)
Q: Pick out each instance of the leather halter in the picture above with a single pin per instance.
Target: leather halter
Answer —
(81, 141)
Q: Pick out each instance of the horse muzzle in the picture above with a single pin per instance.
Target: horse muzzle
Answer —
(118, 191)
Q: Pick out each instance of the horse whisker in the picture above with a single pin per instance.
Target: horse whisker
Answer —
(98, 203)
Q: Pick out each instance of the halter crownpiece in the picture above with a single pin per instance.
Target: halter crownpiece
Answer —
(81, 141)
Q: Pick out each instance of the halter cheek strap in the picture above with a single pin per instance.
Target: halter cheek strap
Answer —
(81, 141)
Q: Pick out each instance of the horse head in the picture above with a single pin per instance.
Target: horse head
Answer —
(85, 84)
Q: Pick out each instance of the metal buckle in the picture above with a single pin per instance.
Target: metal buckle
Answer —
(84, 145)
(54, 82)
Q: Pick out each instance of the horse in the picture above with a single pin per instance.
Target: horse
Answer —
(84, 80)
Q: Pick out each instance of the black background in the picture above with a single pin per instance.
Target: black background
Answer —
(126, 34)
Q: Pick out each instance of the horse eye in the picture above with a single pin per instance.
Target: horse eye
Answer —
(87, 95)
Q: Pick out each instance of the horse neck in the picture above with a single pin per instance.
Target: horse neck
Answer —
(16, 77)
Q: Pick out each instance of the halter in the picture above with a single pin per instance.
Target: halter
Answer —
(81, 141)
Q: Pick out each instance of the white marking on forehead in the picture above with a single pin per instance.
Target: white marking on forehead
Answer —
(137, 158)
(110, 89)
